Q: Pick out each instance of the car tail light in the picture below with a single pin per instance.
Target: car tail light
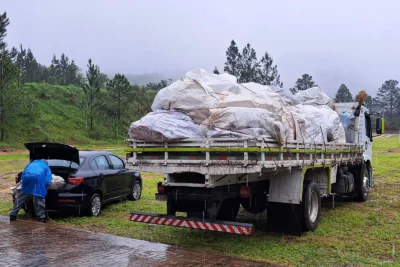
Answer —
(16, 178)
(75, 180)
(244, 191)
(160, 188)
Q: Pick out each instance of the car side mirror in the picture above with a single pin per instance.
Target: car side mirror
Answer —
(380, 126)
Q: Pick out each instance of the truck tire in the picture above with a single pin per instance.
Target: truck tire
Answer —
(311, 205)
(255, 203)
(228, 210)
(362, 186)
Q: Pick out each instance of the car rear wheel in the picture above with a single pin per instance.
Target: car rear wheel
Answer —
(136, 191)
(95, 205)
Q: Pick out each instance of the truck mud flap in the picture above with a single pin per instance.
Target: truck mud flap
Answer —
(193, 223)
(285, 218)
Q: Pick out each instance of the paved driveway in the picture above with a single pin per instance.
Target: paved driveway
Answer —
(27, 243)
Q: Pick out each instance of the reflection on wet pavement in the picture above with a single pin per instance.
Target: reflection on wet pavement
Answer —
(27, 243)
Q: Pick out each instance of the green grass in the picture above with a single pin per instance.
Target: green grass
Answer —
(352, 234)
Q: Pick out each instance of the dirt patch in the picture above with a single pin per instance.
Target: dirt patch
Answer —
(9, 152)
(5, 185)
(391, 151)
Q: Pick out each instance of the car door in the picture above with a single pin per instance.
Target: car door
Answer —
(123, 177)
(106, 174)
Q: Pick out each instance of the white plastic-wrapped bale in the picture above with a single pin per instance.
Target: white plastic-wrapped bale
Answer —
(318, 124)
(187, 96)
(239, 118)
(316, 97)
(165, 125)
(249, 101)
(219, 83)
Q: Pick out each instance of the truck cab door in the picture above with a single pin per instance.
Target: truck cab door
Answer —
(367, 141)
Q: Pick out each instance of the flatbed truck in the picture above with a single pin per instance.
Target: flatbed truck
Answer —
(210, 178)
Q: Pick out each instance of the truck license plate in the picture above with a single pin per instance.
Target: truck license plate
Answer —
(161, 197)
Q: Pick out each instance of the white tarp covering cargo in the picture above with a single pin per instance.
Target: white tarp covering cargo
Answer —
(187, 96)
(165, 125)
(240, 118)
(318, 124)
(315, 97)
(208, 105)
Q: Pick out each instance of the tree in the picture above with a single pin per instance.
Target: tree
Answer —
(64, 72)
(268, 72)
(92, 89)
(248, 65)
(216, 71)
(343, 95)
(158, 86)
(4, 22)
(233, 58)
(10, 90)
(30, 70)
(389, 97)
(303, 83)
(119, 89)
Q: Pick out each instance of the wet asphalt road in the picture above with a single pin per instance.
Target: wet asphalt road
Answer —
(27, 243)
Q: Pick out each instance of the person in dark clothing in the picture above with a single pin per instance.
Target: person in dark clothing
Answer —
(35, 179)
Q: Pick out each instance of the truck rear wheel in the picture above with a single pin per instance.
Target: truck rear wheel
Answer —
(363, 184)
(311, 205)
(228, 210)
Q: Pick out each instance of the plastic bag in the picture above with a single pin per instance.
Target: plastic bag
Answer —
(57, 182)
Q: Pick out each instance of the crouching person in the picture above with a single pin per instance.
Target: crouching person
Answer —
(34, 181)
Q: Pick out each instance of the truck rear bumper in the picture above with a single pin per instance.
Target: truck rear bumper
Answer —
(193, 223)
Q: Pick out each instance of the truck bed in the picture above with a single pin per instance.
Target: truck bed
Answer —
(224, 156)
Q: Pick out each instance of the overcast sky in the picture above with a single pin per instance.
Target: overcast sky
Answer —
(355, 42)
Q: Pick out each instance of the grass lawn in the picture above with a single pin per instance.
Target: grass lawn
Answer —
(352, 234)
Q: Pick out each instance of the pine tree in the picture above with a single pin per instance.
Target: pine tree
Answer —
(268, 72)
(303, 83)
(343, 95)
(216, 71)
(389, 97)
(233, 57)
(11, 96)
(119, 88)
(92, 89)
(4, 22)
(248, 65)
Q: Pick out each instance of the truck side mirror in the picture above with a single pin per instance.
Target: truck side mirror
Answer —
(380, 126)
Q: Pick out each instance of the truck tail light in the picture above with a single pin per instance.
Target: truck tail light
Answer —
(75, 180)
(244, 191)
(160, 188)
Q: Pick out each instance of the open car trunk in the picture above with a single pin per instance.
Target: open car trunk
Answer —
(62, 159)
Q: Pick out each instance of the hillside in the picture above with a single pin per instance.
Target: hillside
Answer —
(57, 114)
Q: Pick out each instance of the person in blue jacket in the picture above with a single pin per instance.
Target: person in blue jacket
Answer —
(34, 181)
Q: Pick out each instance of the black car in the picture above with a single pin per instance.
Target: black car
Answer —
(92, 178)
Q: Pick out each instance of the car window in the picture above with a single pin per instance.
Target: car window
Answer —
(93, 164)
(102, 163)
(62, 163)
(116, 162)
